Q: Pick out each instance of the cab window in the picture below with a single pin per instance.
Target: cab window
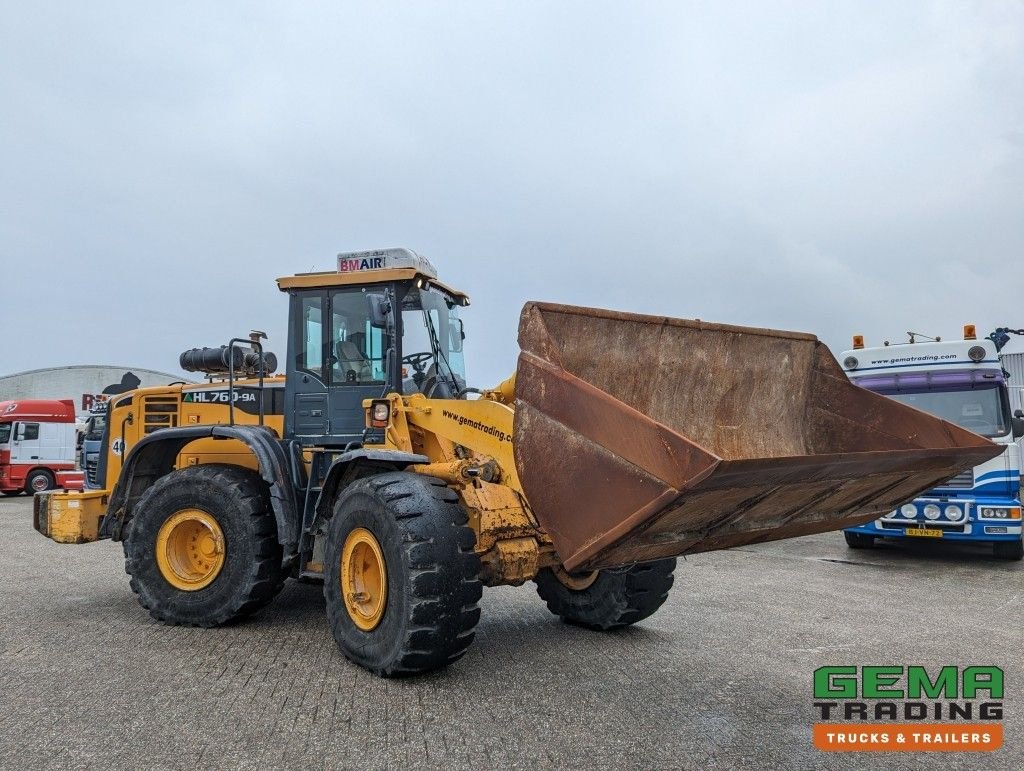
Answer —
(310, 355)
(357, 348)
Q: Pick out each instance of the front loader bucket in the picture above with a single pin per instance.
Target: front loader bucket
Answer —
(642, 437)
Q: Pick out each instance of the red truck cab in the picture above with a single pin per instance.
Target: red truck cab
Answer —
(37, 444)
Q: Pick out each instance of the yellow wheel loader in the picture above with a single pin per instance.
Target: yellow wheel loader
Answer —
(621, 442)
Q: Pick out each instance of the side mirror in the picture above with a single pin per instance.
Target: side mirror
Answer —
(379, 308)
(1018, 413)
(19, 433)
(1018, 426)
(456, 334)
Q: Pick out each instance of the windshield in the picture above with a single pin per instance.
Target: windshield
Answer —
(5, 432)
(432, 358)
(94, 431)
(983, 410)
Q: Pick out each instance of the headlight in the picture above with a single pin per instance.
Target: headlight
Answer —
(954, 513)
(908, 510)
(850, 362)
(380, 413)
(993, 512)
(931, 511)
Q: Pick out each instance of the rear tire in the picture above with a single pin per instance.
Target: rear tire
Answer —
(859, 540)
(39, 481)
(413, 530)
(250, 573)
(616, 598)
(1009, 550)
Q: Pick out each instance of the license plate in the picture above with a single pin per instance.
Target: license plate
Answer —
(923, 532)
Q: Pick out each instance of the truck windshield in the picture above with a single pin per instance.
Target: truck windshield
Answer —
(432, 360)
(5, 432)
(94, 431)
(984, 410)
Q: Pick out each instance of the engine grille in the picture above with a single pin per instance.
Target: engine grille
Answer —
(159, 412)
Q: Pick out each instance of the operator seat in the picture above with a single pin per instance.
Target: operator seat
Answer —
(352, 362)
(436, 387)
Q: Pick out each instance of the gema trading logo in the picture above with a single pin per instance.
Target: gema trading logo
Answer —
(908, 708)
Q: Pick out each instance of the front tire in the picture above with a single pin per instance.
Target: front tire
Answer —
(611, 599)
(39, 481)
(401, 577)
(1009, 550)
(202, 548)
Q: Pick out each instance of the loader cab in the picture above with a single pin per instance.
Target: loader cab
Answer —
(381, 323)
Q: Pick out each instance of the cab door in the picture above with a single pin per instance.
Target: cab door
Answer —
(25, 443)
(356, 356)
(306, 383)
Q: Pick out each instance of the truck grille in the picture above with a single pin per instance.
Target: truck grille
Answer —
(91, 467)
(159, 412)
(964, 480)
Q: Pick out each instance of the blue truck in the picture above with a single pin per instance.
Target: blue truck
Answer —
(963, 382)
(92, 441)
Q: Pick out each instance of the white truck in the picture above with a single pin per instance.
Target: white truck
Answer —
(37, 445)
(963, 382)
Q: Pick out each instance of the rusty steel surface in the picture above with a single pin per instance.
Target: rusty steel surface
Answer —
(641, 437)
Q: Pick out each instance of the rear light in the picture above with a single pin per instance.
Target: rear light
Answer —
(380, 414)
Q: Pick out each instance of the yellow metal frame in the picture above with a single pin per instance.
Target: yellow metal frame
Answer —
(70, 517)
(470, 447)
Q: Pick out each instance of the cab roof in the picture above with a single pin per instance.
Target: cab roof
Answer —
(373, 267)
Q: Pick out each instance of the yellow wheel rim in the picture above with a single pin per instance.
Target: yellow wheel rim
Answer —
(364, 579)
(575, 581)
(190, 550)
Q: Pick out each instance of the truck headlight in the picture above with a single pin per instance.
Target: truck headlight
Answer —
(931, 511)
(954, 513)
(908, 510)
(1000, 512)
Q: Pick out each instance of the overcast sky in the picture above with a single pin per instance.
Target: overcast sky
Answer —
(833, 168)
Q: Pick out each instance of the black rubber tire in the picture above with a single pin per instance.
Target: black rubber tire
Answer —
(251, 576)
(39, 473)
(859, 540)
(1009, 550)
(433, 585)
(12, 492)
(617, 598)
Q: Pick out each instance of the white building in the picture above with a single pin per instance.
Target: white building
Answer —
(85, 384)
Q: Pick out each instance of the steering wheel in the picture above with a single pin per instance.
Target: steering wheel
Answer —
(417, 360)
(977, 422)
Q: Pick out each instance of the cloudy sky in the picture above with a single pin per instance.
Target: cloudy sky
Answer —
(834, 167)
